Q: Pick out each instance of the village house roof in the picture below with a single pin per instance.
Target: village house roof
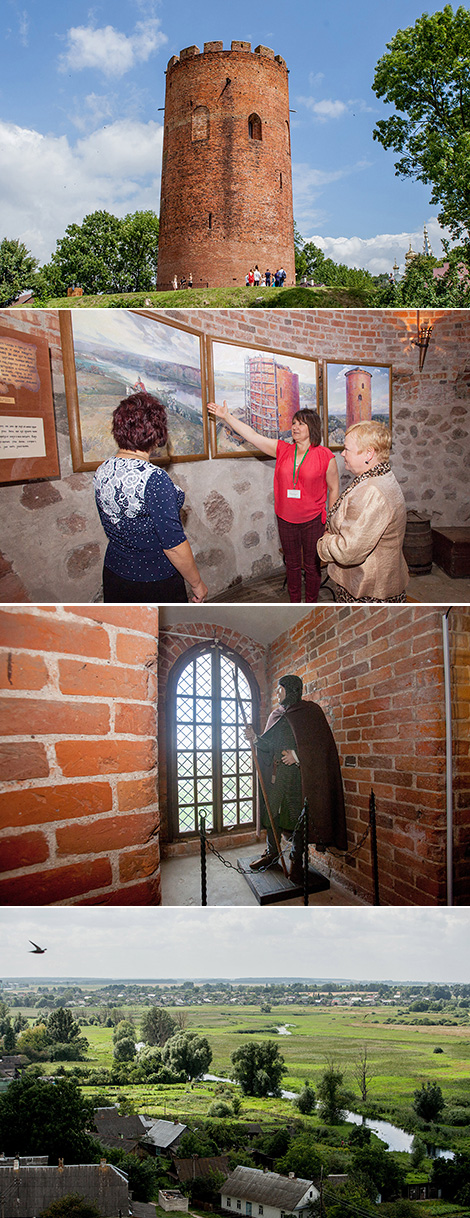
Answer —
(189, 1169)
(163, 1134)
(26, 1191)
(110, 1124)
(267, 1188)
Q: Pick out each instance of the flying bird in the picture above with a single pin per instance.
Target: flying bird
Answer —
(36, 950)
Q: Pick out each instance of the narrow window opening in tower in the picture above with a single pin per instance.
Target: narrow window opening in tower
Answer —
(288, 136)
(210, 219)
(359, 397)
(200, 123)
(280, 181)
(254, 127)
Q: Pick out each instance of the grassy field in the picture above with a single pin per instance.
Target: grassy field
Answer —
(297, 297)
(401, 1056)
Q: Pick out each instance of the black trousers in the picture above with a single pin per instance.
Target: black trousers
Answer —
(140, 591)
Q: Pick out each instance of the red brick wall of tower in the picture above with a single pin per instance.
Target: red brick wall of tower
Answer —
(358, 396)
(226, 201)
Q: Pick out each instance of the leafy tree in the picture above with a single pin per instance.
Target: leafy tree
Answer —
(144, 1174)
(71, 1206)
(138, 254)
(9, 1039)
(104, 254)
(418, 1151)
(220, 1108)
(196, 1142)
(124, 1028)
(453, 1177)
(124, 1049)
(206, 1189)
(273, 1143)
(34, 1042)
(359, 1136)
(428, 1101)
(17, 267)
(333, 1099)
(157, 1026)
(188, 1052)
(258, 1067)
(306, 1100)
(38, 1117)
(425, 75)
(302, 1157)
(376, 1168)
(62, 1026)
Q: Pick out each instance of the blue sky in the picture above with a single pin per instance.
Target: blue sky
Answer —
(80, 119)
(415, 944)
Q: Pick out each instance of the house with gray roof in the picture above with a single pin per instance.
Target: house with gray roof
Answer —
(28, 1189)
(162, 1137)
(265, 1194)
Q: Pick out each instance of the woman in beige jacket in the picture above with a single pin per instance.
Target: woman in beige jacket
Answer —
(365, 528)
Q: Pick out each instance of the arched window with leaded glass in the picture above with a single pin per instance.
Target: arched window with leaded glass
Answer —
(210, 764)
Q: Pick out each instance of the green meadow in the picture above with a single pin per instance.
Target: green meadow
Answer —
(401, 1057)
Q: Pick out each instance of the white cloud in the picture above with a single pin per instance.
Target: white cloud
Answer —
(327, 108)
(108, 50)
(324, 109)
(308, 184)
(48, 183)
(378, 254)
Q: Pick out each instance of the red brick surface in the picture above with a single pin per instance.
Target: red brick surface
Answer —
(81, 673)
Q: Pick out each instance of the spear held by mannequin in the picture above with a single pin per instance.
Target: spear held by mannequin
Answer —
(258, 771)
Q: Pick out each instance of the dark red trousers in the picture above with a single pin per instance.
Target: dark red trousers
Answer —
(299, 543)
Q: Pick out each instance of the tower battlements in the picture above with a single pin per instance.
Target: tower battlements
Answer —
(211, 48)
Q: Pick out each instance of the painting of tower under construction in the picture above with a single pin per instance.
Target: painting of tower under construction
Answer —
(226, 187)
(265, 389)
(354, 393)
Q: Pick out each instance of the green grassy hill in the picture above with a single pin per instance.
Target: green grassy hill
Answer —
(297, 297)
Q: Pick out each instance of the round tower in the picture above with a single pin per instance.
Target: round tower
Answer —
(358, 396)
(226, 197)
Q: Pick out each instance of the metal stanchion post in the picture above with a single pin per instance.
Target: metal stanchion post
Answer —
(305, 829)
(202, 835)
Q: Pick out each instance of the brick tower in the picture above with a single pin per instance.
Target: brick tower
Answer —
(358, 396)
(226, 198)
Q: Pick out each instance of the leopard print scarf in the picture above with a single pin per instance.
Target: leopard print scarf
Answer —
(383, 468)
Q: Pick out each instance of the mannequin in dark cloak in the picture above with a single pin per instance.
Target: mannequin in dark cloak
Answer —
(298, 760)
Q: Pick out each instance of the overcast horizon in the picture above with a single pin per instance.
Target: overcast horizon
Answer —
(355, 943)
(82, 131)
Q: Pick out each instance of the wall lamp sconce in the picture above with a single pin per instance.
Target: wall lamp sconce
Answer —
(423, 334)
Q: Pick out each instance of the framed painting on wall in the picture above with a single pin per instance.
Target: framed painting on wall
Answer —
(354, 393)
(110, 354)
(263, 388)
(28, 442)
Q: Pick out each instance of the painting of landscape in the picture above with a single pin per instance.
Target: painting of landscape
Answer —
(263, 389)
(354, 393)
(119, 351)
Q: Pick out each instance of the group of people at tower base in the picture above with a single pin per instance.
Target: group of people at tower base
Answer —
(256, 279)
(358, 534)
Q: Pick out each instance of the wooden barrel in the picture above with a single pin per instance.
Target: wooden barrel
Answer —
(417, 544)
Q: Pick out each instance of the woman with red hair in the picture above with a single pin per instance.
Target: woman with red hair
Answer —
(148, 556)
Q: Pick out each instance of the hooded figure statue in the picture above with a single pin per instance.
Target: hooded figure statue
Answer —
(298, 760)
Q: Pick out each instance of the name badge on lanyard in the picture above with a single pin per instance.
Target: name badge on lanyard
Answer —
(293, 492)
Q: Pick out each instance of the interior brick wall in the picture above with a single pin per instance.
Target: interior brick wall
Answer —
(459, 634)
(171, 647)
(378, 675)
(78, 804)
(54, 546)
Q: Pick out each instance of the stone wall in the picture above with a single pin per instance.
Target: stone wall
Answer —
(53, 545)
(378, 675)
(78, 804)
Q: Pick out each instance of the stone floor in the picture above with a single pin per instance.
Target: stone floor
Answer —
(181, 883)
(433, 589)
